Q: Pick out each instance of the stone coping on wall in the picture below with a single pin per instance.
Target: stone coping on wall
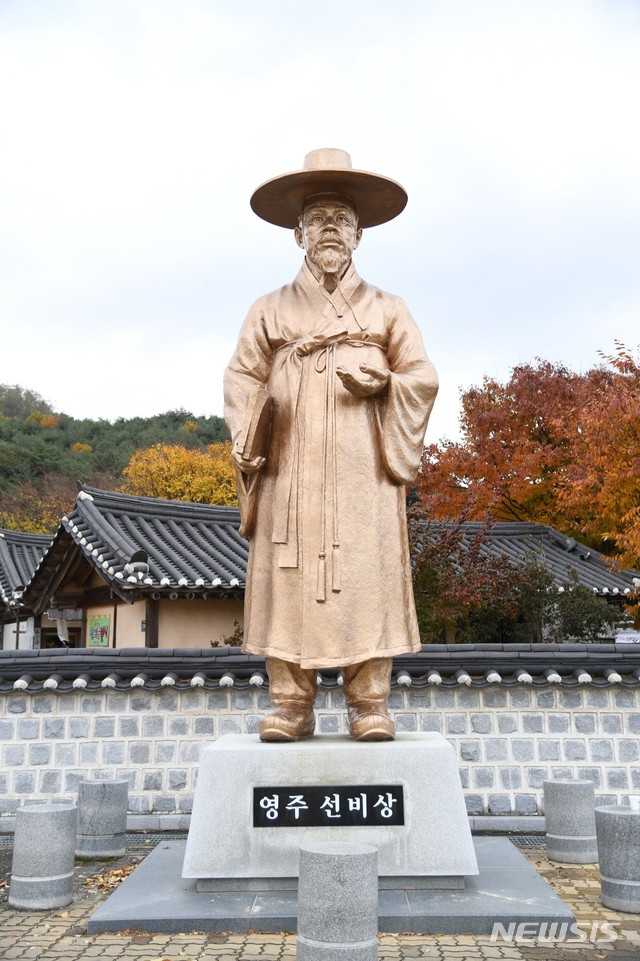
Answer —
(475, 665)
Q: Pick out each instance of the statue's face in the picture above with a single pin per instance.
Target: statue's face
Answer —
(329, 234)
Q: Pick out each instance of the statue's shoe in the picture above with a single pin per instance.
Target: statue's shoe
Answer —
(287, 725)
(373, 726)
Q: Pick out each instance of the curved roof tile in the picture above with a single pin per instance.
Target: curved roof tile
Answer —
(562, 556)
(145, 545)
(20, 555)
(450, 666)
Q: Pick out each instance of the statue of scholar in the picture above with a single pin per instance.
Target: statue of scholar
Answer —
(327, 398)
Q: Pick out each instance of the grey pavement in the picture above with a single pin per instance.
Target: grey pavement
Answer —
(62, 935)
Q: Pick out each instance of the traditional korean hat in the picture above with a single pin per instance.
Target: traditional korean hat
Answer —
(376, 199)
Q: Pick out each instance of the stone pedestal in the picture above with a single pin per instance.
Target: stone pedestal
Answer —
(618, 830)
(569, 811)
(432, 848)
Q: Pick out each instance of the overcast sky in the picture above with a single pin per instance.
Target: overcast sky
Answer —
(133, 132)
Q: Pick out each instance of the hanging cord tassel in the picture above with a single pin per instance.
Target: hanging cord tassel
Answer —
(336, 569)
(321, 591)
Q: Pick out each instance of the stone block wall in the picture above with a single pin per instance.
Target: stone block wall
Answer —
(507, 739)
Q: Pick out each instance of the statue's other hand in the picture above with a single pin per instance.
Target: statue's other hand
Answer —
(248, 466)
(375, 381)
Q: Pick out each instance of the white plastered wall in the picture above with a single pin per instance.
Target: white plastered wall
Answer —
(195, 623)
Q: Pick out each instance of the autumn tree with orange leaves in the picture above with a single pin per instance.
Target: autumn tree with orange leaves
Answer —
(38, 508)
(549, 446)
(179, 473)
(602, 485)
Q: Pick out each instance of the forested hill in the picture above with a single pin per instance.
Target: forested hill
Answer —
(43, 453)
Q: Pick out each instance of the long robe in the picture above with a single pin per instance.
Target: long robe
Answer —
(329, 575)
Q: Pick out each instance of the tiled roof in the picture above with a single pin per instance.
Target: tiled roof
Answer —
(561, 555)
(147, 546)
(570, 666)
(20, 554)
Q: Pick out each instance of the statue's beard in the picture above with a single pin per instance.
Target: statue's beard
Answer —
(331, 260)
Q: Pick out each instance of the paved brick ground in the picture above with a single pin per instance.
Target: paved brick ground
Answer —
(62, 935)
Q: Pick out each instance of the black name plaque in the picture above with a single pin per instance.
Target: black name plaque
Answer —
(315, 806)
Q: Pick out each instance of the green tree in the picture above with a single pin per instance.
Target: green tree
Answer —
(16, 401)
(37, 444)
(578, 613)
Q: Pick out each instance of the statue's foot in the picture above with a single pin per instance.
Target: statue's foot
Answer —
(287, 725)
(372, 726)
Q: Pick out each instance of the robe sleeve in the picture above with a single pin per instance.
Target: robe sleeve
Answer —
(412, 389)
(249, 366)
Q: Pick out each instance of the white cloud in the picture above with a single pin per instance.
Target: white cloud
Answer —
(134, 132)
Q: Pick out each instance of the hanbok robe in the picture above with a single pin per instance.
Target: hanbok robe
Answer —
(329, 575)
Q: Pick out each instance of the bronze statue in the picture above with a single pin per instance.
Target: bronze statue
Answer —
(337, 369)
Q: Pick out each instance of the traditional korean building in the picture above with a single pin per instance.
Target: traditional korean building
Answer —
(20, 555)
(141, 572)
(563, 557)
(144, 572)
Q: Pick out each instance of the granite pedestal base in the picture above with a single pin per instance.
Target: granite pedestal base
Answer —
(432, 848)
(507, 889)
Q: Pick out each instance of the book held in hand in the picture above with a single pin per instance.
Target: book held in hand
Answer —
(252, 442)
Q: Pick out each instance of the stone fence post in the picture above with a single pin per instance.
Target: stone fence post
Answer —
(43, 848)
(569, 810)
(338, 902)
(102, 819)
(618, 831)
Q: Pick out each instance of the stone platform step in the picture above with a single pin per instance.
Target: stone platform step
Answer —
(156, 898)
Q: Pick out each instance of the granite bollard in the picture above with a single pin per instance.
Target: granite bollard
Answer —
(569, 810)
(102, 819)
(338, 902)
(618, 832)
(43, 847)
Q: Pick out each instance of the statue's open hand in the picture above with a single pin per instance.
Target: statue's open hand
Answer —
(375, 381)
(248, 466)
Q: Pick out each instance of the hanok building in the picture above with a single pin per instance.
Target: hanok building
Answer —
(141, 572)
(564, 558)
(20, 555)
(144, 572)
